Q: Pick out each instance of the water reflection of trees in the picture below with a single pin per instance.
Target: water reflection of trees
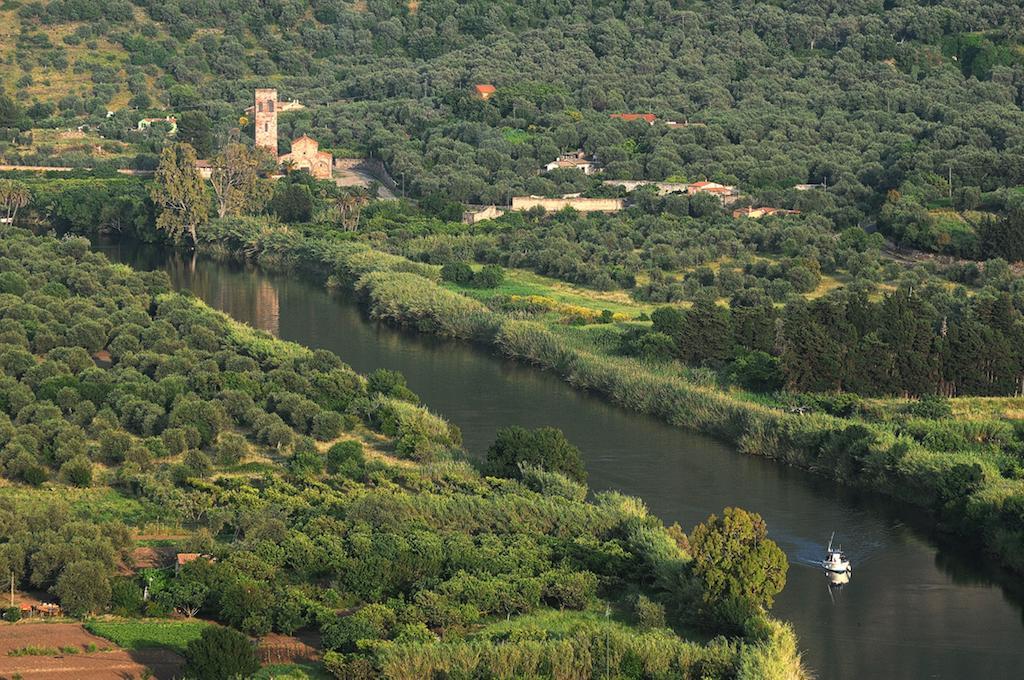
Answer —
(242, 294)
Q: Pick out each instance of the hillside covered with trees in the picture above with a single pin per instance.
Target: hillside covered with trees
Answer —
(884, 102)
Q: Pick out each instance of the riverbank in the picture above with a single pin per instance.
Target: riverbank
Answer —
(966, 491)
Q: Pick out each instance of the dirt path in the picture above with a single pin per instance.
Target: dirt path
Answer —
(116, 664)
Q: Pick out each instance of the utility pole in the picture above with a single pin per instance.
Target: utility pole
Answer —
(12, 588)
(607, 635)
(951, 181)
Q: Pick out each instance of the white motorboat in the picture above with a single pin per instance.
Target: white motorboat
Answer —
(837, 579)
(835, 559)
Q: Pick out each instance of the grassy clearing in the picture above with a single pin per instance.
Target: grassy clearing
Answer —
(553, 622)
(148, 633)
(100, 504)
(514, 136)
(526, 283)
(375, 446)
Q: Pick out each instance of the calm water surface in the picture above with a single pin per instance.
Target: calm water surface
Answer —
(914, 608)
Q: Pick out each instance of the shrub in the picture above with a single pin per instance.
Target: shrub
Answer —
(176, 440)
(457, 272)
(83, 587)
(491, 276)
(739, 567)
(932, 407)
(350, 666)
(551, 483)
(391, 384)
(372, 622)
(12, 283)
(230, 448)
(345, 457)
(306, 461)
(114, 444)
(649, 614)
(546, 448)
(197, 463)
(421, 435)
(327, 425)
(292, 203)
(412, 300)
(12, 614)
(125, 597)
(220, 653)
(569, 589)
(758, 371)
(77, 471)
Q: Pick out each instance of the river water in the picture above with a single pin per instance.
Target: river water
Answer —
(915, 607)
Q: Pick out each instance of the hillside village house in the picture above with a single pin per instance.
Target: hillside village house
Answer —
(484, 91)
(758, 213)
(576, 160)
(480, 213)
(147, 123)
(726, 194)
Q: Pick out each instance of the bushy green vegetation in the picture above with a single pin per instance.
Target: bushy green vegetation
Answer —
(390, 560)
(146, 633)
(220, 653)
(34, 650)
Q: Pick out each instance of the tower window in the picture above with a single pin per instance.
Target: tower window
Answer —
(259, 106)
(270, 106)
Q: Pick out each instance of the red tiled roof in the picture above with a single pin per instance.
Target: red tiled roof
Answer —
(485, 89)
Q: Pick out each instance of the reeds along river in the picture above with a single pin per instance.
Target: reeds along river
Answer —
(913, 608)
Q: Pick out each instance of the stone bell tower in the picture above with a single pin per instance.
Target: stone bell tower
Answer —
(266, 119)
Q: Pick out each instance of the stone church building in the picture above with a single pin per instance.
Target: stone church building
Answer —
(305, 153)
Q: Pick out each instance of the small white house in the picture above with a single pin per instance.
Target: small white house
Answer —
(577, 160)
(171, 121)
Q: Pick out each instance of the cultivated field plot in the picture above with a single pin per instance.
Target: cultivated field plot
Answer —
(87, 665)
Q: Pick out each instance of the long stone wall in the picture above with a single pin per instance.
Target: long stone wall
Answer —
(556, 204)
(663, 187)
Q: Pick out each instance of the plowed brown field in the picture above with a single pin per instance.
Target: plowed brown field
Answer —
(117, 664)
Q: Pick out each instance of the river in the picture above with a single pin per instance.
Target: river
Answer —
(915, 607)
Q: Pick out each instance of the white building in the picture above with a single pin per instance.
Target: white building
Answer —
(577, 160)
